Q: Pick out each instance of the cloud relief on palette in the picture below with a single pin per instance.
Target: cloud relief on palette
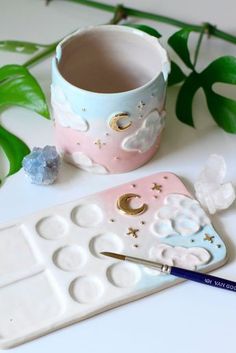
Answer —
(63, 111)
(189, 258)
(179, 215)
(145, 137)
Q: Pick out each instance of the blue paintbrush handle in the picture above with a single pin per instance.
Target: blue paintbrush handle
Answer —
(203, 278)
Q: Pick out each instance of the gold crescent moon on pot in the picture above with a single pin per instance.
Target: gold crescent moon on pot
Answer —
(114, 122)
(123, 205)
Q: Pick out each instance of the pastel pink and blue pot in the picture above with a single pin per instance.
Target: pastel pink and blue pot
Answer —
(108, 96)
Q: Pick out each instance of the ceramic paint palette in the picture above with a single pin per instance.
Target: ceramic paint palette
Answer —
(52, 273)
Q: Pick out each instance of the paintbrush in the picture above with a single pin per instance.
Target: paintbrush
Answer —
(178, 272)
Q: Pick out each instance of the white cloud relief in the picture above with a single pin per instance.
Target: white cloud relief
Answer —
(145, 137)
(63, 111)
(179, 215)
(179, 256)
(82, 161)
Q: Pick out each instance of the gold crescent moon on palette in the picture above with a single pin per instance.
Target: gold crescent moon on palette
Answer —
(123, 205)
(114, 122)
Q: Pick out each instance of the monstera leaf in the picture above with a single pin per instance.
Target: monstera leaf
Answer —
(20, 47)
(222, 109)
(176, 74)
(14, 149)
(185, 98)
(223, 70)
(18, 87)
(179, 43)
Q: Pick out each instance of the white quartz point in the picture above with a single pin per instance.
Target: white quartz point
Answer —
(210, 190)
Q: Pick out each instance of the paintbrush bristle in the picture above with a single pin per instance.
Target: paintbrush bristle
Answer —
(114, 255)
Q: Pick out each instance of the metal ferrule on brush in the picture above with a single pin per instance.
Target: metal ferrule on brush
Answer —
(155, 265)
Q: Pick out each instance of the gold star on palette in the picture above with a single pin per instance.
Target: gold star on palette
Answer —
(209, 238)
(132, 232)
(99, 143)
(157, 187)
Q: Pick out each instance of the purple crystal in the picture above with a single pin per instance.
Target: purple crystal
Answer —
(42, 165)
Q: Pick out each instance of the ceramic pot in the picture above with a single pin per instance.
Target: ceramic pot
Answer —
(108, 96)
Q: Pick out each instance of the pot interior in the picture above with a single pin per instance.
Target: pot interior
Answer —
(109, 60)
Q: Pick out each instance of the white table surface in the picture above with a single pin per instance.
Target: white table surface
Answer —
(188, 318)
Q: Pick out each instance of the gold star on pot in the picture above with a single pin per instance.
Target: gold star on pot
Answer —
(132, 232)
(209, 238)
(99, 143)
(157, 187)
(141, 105)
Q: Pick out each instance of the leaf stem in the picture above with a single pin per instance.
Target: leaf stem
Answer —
(157, 17)
(119, 15)
(196, 54)
(42, 55)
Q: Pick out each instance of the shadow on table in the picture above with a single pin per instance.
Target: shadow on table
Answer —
(67, 173)
(226, 237)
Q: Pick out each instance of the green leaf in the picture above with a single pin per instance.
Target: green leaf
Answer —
(176, 74)
(222, 69)
(179, 42)
(222, 109)
(185, 98)
(19, 87)
(14, 148)
(144, 28)
(20, 46)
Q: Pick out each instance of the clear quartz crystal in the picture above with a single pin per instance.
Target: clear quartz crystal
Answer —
(210, 190)
(42, 165)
